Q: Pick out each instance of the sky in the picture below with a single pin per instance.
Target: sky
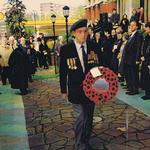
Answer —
(35, 4)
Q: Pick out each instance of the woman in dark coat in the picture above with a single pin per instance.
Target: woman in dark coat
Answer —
(19, 65)
(97, 41)
(107, 46)
(31, 52)
(116, 50)
(124, 23)
(43, 49)
(134, 16)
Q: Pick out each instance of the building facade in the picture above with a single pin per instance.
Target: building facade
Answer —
(47, 9)
(93, 8)
(126, 7)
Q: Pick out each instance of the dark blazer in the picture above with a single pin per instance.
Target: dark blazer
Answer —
(72, 75)
(19, 65)
(133, 49)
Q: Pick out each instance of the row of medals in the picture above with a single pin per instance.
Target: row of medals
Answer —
(71, 63)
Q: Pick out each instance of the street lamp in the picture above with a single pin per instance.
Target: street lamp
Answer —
(53, 19)
(35, 30)
(66, 15)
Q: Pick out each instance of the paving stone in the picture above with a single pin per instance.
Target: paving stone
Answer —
(135, 144)
(53, 137)
(113, 146)
(113, 132)
(31, 131)
(145, 148)
(43, 147)
(96, 143)
(47, 127)
(118, 140)
(146, 142)
(56, 147)
(106, 138)
(46, 120)
(36, 140)
(38, 129)
(69, 147)
(130, 136)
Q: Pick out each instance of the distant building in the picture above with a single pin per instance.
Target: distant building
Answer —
(50, 8)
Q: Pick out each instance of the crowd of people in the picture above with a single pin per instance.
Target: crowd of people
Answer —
(123, 47)
(19, 59)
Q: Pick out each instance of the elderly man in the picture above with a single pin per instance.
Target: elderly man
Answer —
(74, 64)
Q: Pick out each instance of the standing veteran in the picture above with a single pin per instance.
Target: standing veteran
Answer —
(76, 59)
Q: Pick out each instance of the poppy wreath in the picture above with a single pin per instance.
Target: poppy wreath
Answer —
(99, 95)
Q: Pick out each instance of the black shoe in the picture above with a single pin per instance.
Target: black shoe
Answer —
(0, 93)
(146, 97)
(31, 80)
(132, 92)
(24, 93)
(125, 87)
(89, 147)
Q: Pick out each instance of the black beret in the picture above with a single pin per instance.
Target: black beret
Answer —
(78, 24)
(147, 24)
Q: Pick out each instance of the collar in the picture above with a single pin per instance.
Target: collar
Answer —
(133, 33)
(78, 46)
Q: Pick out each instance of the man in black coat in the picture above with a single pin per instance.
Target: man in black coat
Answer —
(19, 65)
(145, 71)
(115, 17)
(76, 59)
(132, 59)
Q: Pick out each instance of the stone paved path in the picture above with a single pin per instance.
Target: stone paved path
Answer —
(50, 122)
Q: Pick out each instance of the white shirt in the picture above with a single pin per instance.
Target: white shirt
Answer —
(79, 51)
(133, 33)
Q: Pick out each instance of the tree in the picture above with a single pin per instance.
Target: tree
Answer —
(15, 16)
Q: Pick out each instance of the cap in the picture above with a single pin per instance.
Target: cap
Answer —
(78, 24)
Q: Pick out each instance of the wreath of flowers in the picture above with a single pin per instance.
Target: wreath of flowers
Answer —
(98, 95)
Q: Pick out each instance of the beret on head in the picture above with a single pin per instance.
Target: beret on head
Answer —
(147, 24)
(78, 24)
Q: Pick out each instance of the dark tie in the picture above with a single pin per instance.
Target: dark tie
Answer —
(84, 56)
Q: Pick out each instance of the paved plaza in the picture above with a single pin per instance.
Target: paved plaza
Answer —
(49, 121)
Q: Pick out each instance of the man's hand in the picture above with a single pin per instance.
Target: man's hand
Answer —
(64, 96)
(149, 68)
(137, 62)
(142, 58)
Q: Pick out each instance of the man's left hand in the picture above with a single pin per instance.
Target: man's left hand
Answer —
(137, 62)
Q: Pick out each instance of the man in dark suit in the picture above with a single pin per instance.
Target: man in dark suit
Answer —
(132, 59)
(145, 70)
(76, 59)
(115, 17)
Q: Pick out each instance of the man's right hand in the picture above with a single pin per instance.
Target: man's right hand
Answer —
(142, 58)
(64, 96)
